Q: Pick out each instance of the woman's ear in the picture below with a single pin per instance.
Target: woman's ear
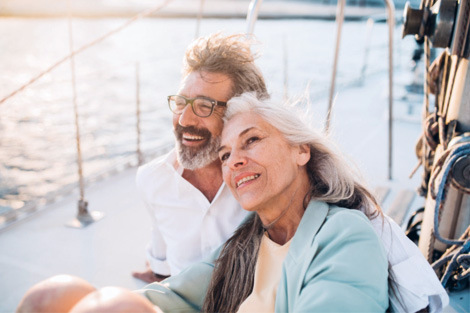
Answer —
(303, 154)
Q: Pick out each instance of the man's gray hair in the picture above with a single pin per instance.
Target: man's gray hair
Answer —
(230, 55)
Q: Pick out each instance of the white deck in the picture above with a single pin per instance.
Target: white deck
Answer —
(106, 252)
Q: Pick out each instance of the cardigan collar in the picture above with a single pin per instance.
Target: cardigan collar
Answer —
(314, 217)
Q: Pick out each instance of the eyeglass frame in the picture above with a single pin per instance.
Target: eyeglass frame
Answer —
(191, 101)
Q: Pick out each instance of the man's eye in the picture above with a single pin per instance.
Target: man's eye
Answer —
(224, 157)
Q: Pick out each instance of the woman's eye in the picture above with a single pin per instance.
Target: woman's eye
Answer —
(252, 139)
(224, 157)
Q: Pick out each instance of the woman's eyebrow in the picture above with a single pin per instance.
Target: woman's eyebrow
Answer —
(239, 135)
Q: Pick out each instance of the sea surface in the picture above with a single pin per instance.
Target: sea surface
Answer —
(38, 149)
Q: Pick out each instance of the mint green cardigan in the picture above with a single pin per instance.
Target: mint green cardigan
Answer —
(335, 263)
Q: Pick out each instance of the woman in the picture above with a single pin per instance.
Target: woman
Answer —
(309, 245)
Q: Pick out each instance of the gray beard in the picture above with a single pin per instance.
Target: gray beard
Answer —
(193, 159)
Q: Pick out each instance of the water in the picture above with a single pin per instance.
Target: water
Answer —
(37, 130)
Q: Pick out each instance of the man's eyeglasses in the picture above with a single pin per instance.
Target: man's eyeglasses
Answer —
(202, 107)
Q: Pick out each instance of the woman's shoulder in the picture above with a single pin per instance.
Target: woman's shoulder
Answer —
(351, 217)
(342, 224)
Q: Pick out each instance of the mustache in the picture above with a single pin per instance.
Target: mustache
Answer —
(203, 132)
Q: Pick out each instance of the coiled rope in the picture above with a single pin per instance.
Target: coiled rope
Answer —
(458, 255)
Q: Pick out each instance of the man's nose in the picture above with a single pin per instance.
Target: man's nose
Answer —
(188, 118)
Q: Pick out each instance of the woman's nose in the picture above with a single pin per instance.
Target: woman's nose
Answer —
(237, 160)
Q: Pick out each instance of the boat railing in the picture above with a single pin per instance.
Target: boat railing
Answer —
(391, 25)
(138, 150)
(126, 159)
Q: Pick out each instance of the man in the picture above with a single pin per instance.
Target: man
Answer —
(193, 212)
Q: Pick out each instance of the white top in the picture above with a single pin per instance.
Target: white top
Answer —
(414, 277)
(186, 226)
(268, 272)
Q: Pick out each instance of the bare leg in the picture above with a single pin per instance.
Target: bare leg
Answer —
(114, 300)
(148, 275)
(56, 294)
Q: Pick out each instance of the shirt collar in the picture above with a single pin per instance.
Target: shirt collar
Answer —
(172, 161)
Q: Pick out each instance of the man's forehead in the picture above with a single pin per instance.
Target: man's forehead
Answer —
(206, 84)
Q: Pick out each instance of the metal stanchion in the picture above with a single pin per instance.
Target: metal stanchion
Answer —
(84, 217)
(199, 18)
(252, 15)
(339, 24)
(391, 26)
(140, 158)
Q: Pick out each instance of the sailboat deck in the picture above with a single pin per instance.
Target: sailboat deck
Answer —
(107, 251)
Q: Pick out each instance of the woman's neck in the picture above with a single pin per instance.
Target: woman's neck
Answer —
(285, 229)
(282, 226)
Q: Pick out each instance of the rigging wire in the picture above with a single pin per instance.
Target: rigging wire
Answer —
(75, 106)
(138, 16)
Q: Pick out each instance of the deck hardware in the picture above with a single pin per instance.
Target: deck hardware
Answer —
(84, 217)
(461, 172)
(436, 23)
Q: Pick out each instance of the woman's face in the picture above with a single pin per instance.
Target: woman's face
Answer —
(258, 164)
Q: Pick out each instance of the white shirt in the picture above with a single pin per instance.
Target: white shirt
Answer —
(417, 284)
(186, 226)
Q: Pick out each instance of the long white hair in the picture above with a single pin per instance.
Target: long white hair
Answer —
(332, 179)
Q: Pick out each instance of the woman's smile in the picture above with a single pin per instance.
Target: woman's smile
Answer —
(245, 178)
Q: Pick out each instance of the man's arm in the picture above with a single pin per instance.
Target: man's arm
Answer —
(157, 267)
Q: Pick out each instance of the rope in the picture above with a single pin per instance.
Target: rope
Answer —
(455, 257)
(458, 257)
(427, 64)
(450, 157)
(86, 46)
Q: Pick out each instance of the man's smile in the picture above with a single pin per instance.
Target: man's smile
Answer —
(190, 137)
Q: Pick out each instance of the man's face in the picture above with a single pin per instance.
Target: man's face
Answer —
(197, 137)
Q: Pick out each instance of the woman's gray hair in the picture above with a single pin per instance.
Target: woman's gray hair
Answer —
(332, 179)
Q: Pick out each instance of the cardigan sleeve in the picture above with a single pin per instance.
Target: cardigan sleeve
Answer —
(348, 269)
(184, 292)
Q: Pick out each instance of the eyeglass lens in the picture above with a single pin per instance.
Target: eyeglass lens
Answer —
(201, 107)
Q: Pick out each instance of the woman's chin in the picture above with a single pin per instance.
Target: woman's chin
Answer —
(250, 206)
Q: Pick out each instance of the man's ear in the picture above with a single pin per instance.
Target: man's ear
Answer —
(303, 154)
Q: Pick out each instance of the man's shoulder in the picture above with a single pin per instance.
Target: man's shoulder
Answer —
(155, 166)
